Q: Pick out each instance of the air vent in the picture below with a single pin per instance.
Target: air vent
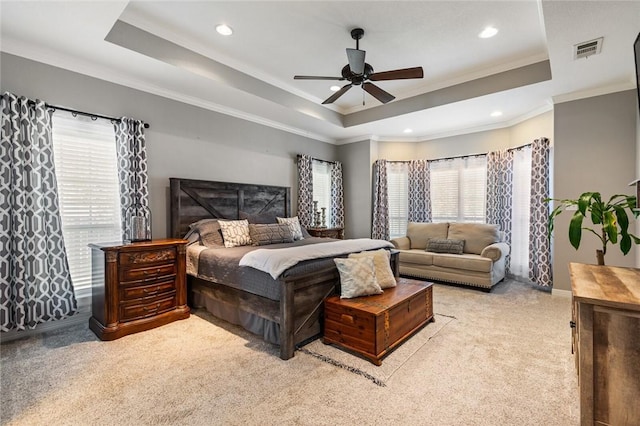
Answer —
(587, 48)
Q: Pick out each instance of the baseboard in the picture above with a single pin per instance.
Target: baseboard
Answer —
(80, 318)
(561, 293)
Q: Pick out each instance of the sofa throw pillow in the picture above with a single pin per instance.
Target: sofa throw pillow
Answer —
(294, 226)
(476, 236)
(209, 232)
(419, 233)
(235, 233)
(381, 263)
(439, 245)
(270, 233)
(357, 277)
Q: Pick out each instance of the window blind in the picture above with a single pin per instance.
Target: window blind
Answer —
(86, 173)
(458, 189)
(322, 187)
(398, 198)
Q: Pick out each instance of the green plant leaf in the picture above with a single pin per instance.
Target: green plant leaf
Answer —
(625, 244)
(623, 219)
(584, 201)
(610, 226)
(575, 230)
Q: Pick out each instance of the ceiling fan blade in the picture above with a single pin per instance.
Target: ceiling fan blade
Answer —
(316, 77)
(356, 60)
(331, 99)
(397, 74)
(378, 93)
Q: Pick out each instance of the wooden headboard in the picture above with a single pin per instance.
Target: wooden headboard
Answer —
(192, 200)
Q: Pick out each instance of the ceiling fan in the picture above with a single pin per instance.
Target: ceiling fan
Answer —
(358, 72)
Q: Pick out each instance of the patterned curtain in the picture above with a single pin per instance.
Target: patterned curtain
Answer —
(380, 223)
(500, 192)
(419, 191)
(35, 284)
(337, 197)
(540, 271)
(305, 190)
(132, 166)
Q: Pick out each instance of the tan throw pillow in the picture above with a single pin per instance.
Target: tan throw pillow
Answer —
(270, 233)
(419, 233)
(381, 262)
(235, 233)
(476, 236)
(357, 277)
(294, 226)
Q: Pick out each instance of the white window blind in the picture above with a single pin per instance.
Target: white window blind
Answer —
(86, 171)
(398, 196)
(322, 187)
(520, 215)
(458, 189)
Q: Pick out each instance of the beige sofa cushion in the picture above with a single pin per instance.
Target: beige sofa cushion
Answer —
(417, 256)
(476, 236)
(419, 233)
(467, 262)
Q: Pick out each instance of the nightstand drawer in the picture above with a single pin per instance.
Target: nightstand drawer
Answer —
(133, 311)
(166, 255)
(155, 289)
(148, 273)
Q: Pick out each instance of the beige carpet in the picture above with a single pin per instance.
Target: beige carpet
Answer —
(381, 374)
(504, 360)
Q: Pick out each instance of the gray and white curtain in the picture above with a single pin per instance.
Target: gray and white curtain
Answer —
(132, 166)
(540, 265)
(35, 284)
(500, 192)
(419, 187)
(380, 222)
(305, 190)
(337, 195)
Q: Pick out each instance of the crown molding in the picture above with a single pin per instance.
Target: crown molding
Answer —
(590, 93)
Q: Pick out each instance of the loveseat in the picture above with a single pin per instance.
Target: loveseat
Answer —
(462, 253)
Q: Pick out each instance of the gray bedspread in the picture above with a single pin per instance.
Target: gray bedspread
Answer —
(220, 265)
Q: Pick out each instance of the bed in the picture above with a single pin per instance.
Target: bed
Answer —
(287, 310)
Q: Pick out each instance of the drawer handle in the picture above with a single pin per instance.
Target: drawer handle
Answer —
(149, 291)
(147, 308)
(346, 318)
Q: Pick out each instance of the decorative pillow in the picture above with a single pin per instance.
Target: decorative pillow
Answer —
(209, 232)
(235, 232)
(357, 277)
(381, 263)
(270, 233)
(439, 245)
(294, 226)
(259, 218)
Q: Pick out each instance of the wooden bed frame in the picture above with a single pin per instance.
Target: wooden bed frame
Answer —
(299, 310)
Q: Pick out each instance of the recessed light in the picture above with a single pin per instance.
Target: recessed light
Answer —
(488, 32)
(496, 113)
(335, 88)
(407, 130)
(223, 29)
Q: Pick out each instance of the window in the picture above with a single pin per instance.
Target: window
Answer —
(322, 188)
(458, 188)
(520, 214)
(86, 171)
(398, 196)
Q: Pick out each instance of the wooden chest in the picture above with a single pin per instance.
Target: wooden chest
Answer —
(137, 286)
(374, 325)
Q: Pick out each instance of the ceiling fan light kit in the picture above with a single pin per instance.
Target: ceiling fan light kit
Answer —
(360, 73)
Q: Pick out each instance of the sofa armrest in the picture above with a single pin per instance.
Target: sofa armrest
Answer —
(496, 251)
(401, 243)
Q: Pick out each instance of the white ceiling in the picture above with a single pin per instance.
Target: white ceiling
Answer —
(171, 49)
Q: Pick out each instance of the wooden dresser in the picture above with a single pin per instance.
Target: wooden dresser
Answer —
(374, 325)
(606, 336)
(337, 233)
(137, 286)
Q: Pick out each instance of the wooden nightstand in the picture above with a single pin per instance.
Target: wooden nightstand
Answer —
(137, 286)
(337, 233)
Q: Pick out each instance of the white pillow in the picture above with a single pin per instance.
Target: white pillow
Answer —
(235, 232)
(294, 225)
(381, 262)
(357, 277)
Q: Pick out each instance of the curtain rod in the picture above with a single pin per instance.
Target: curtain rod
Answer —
(517, 148)
(317, 159)
(93, 116)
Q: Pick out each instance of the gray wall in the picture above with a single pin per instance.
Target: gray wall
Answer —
(183, 141)
(595, 150)
(357, 172)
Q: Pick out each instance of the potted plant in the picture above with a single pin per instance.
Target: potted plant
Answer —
(610, 216)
